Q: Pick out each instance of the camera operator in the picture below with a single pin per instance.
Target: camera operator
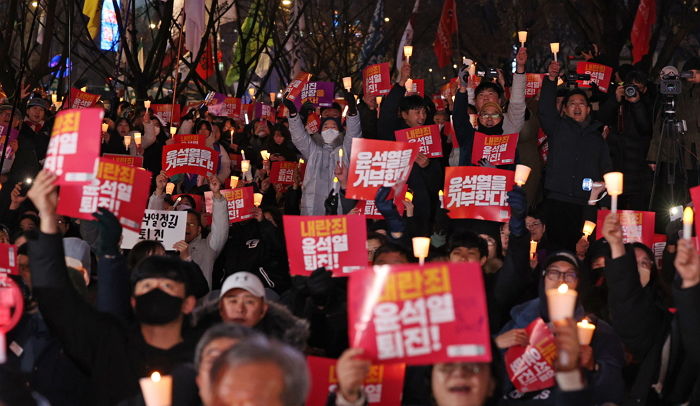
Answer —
(628, 115)
(674, 150)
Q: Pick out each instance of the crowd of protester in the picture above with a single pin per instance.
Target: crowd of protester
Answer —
(220, 313)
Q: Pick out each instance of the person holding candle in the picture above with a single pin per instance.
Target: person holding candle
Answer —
(320, 151)
(687, 296)
(602, 362)
(577, 153)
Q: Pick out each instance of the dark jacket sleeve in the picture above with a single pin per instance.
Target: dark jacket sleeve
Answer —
(464, 132)
(608, 110)
(583, 397)
(368, 120)
(688, 304)
(511, 280)
(389, 113)
(548, 114)
(113, 289)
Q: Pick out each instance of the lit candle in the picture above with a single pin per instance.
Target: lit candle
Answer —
(585, 332)
(301, 161)
(251, 93)
(687, 223)
(147, 104)
(105, 127)
(554, 46)
(246, 118)
(521, 174)
(127, 141)
(173, 131)
(440, 196)
(273, 96)
(169, 188)
(137, 138)
(379, 100)
(613, 183)
(561, 302)
(157, 390)
(83, 89)
(347, 83)
(408, 196)
(533, 249)
(234, 181)
(243, 154)
(245, 165)
(257, 199)
(265, 155)
(340, 157)
(409, 85)
(408, 51)
(54, 98)
(421, 246)
(522, 37)
(588, 228)
(335, 184)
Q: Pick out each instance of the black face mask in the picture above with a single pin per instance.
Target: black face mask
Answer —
(157, 307)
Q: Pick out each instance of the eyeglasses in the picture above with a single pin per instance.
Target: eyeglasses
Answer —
(469, 368)
(554, 275)
(533, 224)
(491, 116)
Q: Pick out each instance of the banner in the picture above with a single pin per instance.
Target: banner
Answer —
(637, 226)
(294, 88)
(338, 243)
(79, 100)
(533, 84)
(427, 137)
(265, 112)
(8, 259)
(193, 139)
(383, 385)
(446, 29)
(695, 198)
(239, 203)
(417, 88)
(497, 149)
(73, 128)
(600, 75)
(320, 94)
(192, 159)
(163, 113)
(419, 314)
(283, 172)
(313, 123)
(439, 102)
(475, 192)
(376, 79)
(119, 188)
(531, 368)
(131, 160)
(375, 163)
(166, 226)
(369, 209)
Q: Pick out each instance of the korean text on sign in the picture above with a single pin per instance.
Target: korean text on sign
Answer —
(187, 158)
(427, 138)
(71, 129)
(478, 192)
(283, 172)
(239, 203)
(600, 75)
(378, 163)
(81, 100)
(531, 368)
(637, 226)
(165, 226)
(8, 259)
(331, 242)
(533, 84)
(496, 149)
(376, 79)
(418, 314)
(130, 160)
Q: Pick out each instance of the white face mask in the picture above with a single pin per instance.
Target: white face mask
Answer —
(329, 135)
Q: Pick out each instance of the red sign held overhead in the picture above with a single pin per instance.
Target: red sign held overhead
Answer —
(637, 226)
(81, 100)
(265, 112)
(119, 188)
(600, 75)
(533, 84)
(337, 243)
(74, 148)
(427, 137)
(164, 113)
(294, 88)
(419, 314)
(238, 201)
(192, 159)
(475, 192)
(376, 79)
(283, 172)
(497, 149)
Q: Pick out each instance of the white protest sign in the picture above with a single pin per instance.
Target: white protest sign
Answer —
(168, 227)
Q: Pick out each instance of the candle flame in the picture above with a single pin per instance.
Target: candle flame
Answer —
(340, 153)
(563, 288)
(335, 180)
(155, 377)
(301, 160)
(409, 196)
(441, 193)
(688, 215)
(584, 322)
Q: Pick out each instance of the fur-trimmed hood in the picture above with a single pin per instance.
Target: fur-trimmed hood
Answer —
(281, 324)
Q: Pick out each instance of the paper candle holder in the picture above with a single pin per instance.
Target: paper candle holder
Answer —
(561, 302)
(522, 172)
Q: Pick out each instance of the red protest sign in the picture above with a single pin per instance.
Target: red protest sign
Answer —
(497, 149)
(265, 112)
(81, 100)
(637, 226)
(71, 129)
(164, 112)
(194, 139)
(8, 259)
(600, 75)
(439, 102)
(238, 201)
(283, 171)
(533, 84)
(313, 123)
(474, 192)
(695, 198)
(235, 161)
(417, 88)
(376, 163)
(119, 188)
(136, 161)
(417, 314)
(369, 209)
(188, 158)
(449, 131)
(231, 107)
(337, 243)
(294, 88)
(427, 137)
(383, 385)
(376, 79)
(531, 368)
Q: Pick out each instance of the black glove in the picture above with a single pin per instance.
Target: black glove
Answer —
(110, 232)
(290, 106)
(352, 103)
(320, 282)
(331, 203)
(393, 220)
(518, 209)
(483, 162)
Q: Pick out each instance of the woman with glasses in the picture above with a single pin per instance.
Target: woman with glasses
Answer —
(601, 361)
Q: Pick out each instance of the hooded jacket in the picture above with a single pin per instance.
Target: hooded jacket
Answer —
(321, 159)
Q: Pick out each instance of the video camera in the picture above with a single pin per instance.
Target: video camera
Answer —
(488, 74)
(670, 83)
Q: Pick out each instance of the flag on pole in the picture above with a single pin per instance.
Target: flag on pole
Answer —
(194, 26)
(641, 29)
(91, 8)
(253, 34)
(407, 37)
(373, 46)
(446, 29)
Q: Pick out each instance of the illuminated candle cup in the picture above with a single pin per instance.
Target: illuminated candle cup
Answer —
(441, 194)
(105, 127)
(127, 141)
(421, 247)
(522, 37)
(157, 390)
(533, 249)
(347, 83)
(379, 100)
(408, 51)
(147, 104)
(585, 332)
(561, 302)
(137, 139)
(265, 155)
(257, 199)
(169, 188)
(273, 96)
(687, 223)
(613, 183)
(234, 181)
(173, 130)
(521, 174)
(554, 46)
(408, 196)
(245, 165)
(409, 85)
(54, 98)
(588, 228)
